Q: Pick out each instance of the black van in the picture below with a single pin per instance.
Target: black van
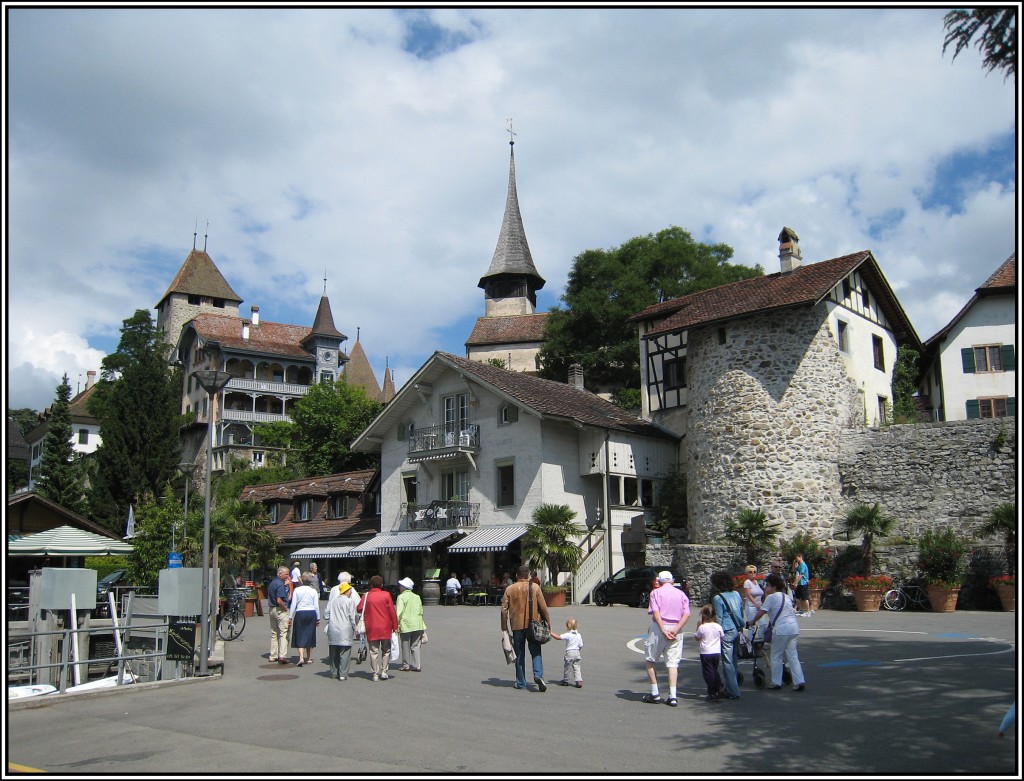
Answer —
(632, 586)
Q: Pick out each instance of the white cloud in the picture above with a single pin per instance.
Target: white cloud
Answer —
(315, 140)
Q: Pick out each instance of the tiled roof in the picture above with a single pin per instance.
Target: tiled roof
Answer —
(1004, 276)
(511, 329)
(267, 337)
(512, 254)
(555, 399)
(359, 372)
(322, 485)
(200, 276)
(804, 285)
(387, 393)
(323, 323)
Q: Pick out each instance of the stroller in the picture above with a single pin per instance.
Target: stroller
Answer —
(754, 647)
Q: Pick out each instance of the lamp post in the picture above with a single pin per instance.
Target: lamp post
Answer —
(213, 382)
(187, 470)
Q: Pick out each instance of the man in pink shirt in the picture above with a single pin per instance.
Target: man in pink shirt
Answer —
(669, 610)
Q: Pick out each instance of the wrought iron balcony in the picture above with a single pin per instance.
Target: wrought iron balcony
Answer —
(448, 514)
(442, 439)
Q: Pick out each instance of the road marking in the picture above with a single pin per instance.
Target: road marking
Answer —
(23, 768)
(849, 663)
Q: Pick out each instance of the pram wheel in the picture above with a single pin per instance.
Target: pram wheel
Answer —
(758, 678)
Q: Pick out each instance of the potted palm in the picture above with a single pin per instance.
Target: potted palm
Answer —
(753, 532)
(1002, 521)
(868, 521)
(549, 541)
(943, 557)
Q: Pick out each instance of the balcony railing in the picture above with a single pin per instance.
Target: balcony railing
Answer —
(449, 514)
(441, 437)
(245, 416)
(268, 386)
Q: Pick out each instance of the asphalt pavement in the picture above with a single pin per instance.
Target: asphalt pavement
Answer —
(887, 694)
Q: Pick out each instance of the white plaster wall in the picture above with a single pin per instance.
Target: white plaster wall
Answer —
(519, 357)
(859, 358)
(990, 321)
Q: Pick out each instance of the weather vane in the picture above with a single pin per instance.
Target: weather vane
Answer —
(511, 132)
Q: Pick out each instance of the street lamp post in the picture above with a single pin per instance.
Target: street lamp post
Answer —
(213, 382)
(187, 470)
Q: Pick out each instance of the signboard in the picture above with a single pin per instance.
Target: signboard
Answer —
(173, 560)
(181, 641)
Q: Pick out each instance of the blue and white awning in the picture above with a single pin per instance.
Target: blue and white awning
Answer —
(322, 552)
(488, 539)
(395, 542)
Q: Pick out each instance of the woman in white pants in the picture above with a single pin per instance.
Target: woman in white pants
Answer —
(785, 631)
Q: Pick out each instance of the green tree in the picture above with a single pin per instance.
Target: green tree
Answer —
(160, 527)
(277, 434)
(60, 473)
(607, 287)
(996, 28)
(229, 485)
(752, 531)
(548, 539)
(17, 468)
(138, 405)
(1002, 522)
(327, 419)
(868, 521)
(904, 386)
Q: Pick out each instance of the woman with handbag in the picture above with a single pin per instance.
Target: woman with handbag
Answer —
(522, 606)
(411, 627)
(728, 605)
(782, 631)
(304, 613)
(381, 621)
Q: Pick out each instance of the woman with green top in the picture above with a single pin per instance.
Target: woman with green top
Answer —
(411, 628)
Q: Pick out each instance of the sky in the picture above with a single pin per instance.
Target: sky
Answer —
(370, 147)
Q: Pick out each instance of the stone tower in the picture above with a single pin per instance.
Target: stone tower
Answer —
(197, 288)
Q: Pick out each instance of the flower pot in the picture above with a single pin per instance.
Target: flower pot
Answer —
(943, 599)
(868, 600)
(554, 599)
(814, 598)
(1007, 597)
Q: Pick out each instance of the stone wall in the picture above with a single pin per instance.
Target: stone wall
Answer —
(767, 435)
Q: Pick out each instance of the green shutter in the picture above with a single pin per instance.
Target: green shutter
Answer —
(973, 409)
(967, 357)
(1009, 362)
(513, 413)
(1011, 406)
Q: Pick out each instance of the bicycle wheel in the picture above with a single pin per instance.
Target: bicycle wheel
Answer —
(894, 599)
(231, 625)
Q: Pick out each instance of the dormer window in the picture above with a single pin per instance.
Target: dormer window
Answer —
(303, 510)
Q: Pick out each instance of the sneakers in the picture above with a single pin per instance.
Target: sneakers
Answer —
(652, 698)
(384, 676)
(774, 687)
(798, 688)
(579, 684)
(563, 683)
(404, 668)
(672, 702)
(342, 677)
(376, 677)
(540, 684)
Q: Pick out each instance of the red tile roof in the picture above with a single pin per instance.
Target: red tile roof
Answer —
(1004, 276)
(267, 337)
(512, 329)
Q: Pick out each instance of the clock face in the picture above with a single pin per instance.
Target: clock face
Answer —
(327, 355)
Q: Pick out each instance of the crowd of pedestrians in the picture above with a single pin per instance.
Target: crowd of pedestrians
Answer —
(393, 631)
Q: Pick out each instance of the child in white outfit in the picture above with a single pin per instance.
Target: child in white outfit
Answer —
(709, 634)
(573, 647)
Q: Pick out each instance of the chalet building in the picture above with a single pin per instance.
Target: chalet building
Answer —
(511, 329)
(969, 368)
(761, 376)
(85, 430)
(321, 519)
(273, 365)
(469, 450)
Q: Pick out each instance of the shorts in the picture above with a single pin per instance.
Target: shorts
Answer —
(801, 592)
(657, 644)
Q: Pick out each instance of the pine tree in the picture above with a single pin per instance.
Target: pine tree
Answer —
(138, 404)
(60, 478)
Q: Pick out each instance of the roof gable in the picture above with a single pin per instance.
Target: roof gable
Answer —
(270, 338)
(200, 276)
(511, 329)
(1002, 282)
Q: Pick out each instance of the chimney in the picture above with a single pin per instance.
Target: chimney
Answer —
(245, 330)
(789, 250)
(576, 376)
(90, 379)
(255, 314)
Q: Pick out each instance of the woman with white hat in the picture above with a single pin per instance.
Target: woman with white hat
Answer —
(411, 628)
(341, 625)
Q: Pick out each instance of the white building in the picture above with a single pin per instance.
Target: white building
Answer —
(969, 368)
(85, 430)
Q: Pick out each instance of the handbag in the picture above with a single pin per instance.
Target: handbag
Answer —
(539, 629)
(361, 621)
(396, 650)
(506, 643)
(771, 624)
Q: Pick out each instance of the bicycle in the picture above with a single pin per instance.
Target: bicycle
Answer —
(232, 620)
(904, 594)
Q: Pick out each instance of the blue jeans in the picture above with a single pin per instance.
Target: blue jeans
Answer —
(520, 639)
(729, 651)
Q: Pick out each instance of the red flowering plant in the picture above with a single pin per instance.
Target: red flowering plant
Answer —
(819, 583)
(739, 580)
(1002, 580)
(854, 582)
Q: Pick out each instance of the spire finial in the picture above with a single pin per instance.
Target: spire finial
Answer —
(206, 235)
(195, 234)
(325, 281)
(511, 132)
(358, 329)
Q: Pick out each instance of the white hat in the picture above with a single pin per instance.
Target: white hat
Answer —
(406, 583)
(665, 577)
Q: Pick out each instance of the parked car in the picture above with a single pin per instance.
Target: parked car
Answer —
(115, 580)
(632, 586)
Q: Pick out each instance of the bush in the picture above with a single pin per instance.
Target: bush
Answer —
(820, 560)
(943, 558)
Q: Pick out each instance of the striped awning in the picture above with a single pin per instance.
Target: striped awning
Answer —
(394, 542)
(488, 539)
(323, 552)
(67, 541)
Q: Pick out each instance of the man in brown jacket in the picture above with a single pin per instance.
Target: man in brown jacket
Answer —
(516, 617)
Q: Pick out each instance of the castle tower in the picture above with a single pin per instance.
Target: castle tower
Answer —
(324, 341)
(197, 288)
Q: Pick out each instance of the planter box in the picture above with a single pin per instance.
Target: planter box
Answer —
(869, 600)
(556, 599)
(1007, 597)
(814, 598)
(943, 599)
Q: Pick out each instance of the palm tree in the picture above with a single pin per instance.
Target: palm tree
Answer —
(997, 28)
(548, 539)
(869, 522)
(1003, 521)
(752, 531)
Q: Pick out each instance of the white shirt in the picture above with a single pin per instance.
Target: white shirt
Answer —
(295, 575)
(453, 586)
(786, 623)
(573, 640)
(305, 598)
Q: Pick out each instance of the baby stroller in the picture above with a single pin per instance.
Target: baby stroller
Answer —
(754, 647)
(361, 653)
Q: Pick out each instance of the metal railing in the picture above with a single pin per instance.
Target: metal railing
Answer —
(440, 514)
(591, 570)
(444, 437)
